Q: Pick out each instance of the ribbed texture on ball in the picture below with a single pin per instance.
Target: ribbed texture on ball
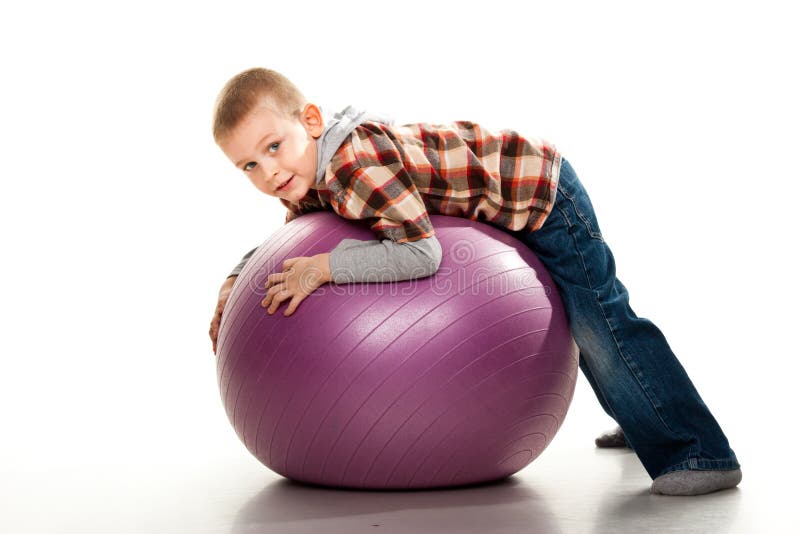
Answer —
(458, 378)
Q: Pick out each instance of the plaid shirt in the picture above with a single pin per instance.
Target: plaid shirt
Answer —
(394, 176)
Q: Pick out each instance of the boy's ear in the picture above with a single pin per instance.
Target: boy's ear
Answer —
(311, 117)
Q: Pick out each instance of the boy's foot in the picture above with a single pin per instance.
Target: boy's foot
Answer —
(613, 438)
(694, 482)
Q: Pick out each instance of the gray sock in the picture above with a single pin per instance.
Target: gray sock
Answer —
(695, 482)
(612, 438)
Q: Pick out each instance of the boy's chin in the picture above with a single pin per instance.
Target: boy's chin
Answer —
(299, 192)
(295, 196)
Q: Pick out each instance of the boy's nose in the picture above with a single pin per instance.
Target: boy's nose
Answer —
(270, 174)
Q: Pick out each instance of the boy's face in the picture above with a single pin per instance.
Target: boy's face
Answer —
(273, 149)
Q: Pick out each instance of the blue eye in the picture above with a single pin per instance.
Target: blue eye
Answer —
(273, 147)
(249, 166)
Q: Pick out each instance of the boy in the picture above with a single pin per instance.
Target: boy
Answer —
(363, 167)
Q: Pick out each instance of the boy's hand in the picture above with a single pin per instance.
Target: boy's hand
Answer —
(224, 293)
(300, 277)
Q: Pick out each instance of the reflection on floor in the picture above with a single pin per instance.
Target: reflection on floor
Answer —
(564, 491)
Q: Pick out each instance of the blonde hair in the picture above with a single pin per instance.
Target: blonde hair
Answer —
(247, 89)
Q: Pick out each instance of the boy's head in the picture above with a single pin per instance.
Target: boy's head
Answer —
(264, 125)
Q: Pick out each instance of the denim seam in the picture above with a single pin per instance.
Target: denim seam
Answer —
(583, 262)
(592, 233)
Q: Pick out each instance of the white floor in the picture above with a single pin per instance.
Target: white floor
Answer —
(218, 487)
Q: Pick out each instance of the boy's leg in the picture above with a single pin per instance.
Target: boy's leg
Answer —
(632, 369)
(613, 438)
(597, 391)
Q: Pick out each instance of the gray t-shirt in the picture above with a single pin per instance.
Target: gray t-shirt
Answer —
(353, 260)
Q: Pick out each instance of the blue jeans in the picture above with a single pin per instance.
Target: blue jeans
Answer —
(626, 359)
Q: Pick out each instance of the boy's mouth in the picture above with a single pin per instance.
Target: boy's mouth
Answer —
(284, 184)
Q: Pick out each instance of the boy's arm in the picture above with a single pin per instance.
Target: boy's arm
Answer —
(350, 261)
(222, 299)
(384, 261)
(238, 269)
(353, 260)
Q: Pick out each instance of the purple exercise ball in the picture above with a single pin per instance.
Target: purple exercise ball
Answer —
(458, 378)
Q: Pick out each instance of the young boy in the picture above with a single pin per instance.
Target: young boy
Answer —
(363, 167)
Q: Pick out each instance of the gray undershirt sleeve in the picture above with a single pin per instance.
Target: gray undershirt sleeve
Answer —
(238, 269)
(353, 260)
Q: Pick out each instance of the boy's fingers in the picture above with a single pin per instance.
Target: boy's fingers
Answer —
(270, 296)
(273, 298)
(276, 302)
(268, 300)
(296, 300)
(274, 290)
(275, 279)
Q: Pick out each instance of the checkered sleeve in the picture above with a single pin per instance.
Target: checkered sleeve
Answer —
(386, 196)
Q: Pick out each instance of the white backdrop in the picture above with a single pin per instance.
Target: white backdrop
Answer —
(120, 217)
